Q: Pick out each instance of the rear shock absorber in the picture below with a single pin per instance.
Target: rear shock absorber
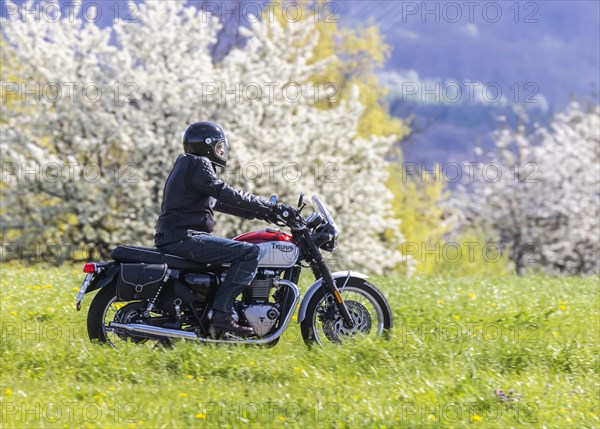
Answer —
(152, 302)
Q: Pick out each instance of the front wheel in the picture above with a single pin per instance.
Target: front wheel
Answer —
(367, 306)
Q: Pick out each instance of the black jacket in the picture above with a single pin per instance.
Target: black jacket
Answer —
(192, 192)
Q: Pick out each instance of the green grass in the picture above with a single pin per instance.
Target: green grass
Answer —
(455, 341)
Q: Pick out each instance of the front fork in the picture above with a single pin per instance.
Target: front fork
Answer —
(327, 279)
(339, 302)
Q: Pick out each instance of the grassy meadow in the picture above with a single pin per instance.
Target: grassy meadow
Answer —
(465, 352)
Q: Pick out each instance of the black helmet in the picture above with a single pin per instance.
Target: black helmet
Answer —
(206, 139)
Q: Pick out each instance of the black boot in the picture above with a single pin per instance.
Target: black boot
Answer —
(223, 322)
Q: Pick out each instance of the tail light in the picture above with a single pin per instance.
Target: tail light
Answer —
(89, 268)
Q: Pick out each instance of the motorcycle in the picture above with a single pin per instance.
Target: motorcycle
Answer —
(147, 296)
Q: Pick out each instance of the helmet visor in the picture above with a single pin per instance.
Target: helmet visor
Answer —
(221, 149)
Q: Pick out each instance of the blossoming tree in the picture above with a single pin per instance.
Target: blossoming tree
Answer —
(543, 198)
(101, 153)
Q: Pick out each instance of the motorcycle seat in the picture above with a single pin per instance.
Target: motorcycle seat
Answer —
(146, 255)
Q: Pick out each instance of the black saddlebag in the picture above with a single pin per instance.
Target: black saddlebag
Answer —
(140, 281)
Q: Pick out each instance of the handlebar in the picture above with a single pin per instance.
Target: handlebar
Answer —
(289, 217)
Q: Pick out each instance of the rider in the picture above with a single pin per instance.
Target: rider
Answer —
(191, 194)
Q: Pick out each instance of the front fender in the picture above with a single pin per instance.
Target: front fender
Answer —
(316, 285)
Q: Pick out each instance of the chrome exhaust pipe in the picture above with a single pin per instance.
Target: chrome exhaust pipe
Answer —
(138, 328)
(157, 331)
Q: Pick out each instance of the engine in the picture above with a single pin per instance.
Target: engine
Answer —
(261, 317)
(258, 291)
(261, 314)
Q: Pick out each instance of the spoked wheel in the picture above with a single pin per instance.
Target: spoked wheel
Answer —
(367, 307)
(105, 308)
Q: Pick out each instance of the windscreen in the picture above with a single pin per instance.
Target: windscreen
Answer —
(323, 210)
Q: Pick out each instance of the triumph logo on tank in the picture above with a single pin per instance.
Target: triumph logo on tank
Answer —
(282, 247)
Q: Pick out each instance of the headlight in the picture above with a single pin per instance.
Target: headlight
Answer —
(314, 220)
(326, 231)
(325, 237)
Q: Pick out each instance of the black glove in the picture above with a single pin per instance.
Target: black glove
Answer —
(282, 211)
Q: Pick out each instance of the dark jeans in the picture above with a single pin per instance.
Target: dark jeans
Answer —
(208, 249)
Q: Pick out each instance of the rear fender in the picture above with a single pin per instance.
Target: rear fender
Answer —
(104, 278)
(339, 277)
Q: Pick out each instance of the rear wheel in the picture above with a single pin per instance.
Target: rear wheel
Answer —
(367, 306)
(106, 308)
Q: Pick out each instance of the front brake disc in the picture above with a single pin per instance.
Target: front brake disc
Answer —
(334, 327)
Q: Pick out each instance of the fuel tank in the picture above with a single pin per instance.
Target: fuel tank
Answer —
(277, 249)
